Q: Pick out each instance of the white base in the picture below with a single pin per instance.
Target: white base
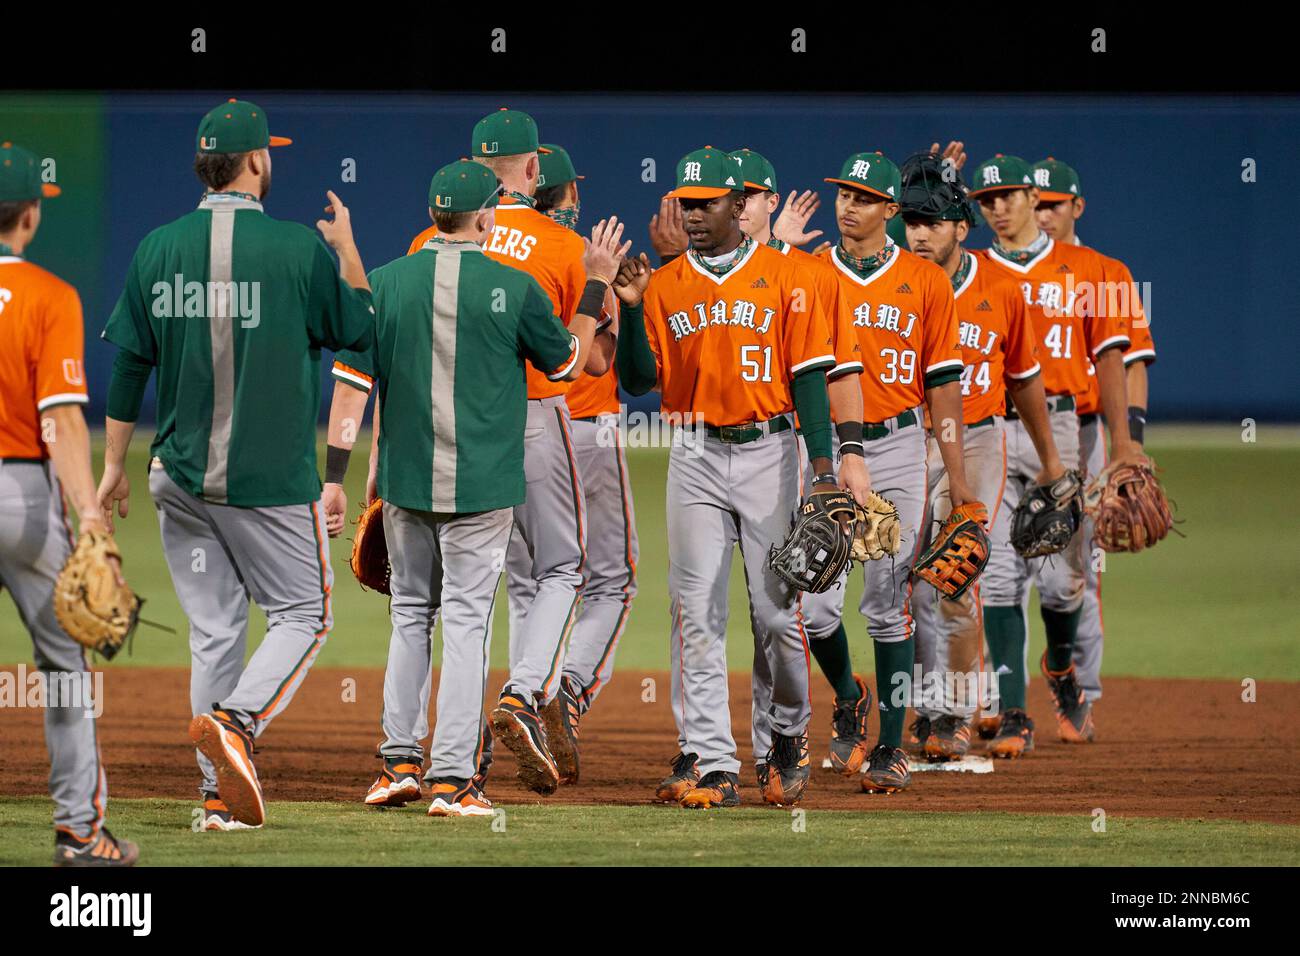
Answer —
(969, 764)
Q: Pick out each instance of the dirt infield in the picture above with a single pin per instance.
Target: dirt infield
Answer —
(1172, 748)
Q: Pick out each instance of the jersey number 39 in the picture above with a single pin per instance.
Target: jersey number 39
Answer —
(900, 366)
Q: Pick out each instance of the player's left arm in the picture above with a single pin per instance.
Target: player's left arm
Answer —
(1141, 353)
(941, 358)
(809, 355)
(61, 391)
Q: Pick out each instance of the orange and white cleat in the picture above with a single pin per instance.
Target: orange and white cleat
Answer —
(458, 798)
(1015, 736)
(99, 849)
(224, 741)
(398, 783)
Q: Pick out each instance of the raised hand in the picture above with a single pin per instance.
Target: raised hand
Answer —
(605, 250)
(790, 226)
(667, 230)
(633, 277)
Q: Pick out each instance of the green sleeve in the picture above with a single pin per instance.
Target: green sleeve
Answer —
(128, 325)
(942, 376)
(338, 316)
(638, 372)
(543, 339)
(813, 403)
(126, 388)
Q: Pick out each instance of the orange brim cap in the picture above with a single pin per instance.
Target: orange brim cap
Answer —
(49, 190)
(1055, 197)
(697, 192)
(861, 188)
(281, 141)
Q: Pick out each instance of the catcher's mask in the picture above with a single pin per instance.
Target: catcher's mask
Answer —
(933, 190)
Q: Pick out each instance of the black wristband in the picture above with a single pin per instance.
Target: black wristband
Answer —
(592, 302)
(849, 432)
(336, 464)
(1137, 420)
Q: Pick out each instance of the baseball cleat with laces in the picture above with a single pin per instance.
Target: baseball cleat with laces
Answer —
(849, 723)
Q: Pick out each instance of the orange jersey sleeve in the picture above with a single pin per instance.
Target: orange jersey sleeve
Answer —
(728, 347)
(593, 395)
(42, 338)
(848, 352)
(1124, 298)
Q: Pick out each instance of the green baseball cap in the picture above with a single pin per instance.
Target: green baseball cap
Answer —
(556, 168)
(236, 126)
(707, 174)
(872, 173)
(464, 186)
(1056, 181)
(20, 176)
(1001, 173)
(759, 173)
(506, 132)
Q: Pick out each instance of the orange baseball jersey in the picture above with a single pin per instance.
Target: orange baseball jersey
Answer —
(1061, 285)
(552, 254)
(593, 395)
(996, 339)
(905, 321)
(848, 352)
(41, 353)
(727, 347)
(1122, 297)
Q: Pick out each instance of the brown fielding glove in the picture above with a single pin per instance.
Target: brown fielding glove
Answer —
(1128, 508)
(875, 529)
(370, 549)
(89, 604)
(959, 552)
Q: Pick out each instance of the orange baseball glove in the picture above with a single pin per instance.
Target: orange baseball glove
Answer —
(370, 550)
(959, 552)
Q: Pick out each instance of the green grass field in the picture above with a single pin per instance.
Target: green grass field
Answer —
(324, 834)
(1209, 605)
(1197, 606)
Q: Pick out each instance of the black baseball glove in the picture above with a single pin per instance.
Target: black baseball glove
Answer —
(816, 550)
(1048, 516)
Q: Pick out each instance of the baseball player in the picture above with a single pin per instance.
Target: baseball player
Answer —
(852, 701)
(547, 557)
(1060, 206)
(609, 573)
(45, 455)
(735, 339)
(453, 332)
(1053, 278)
(904, 318)
(999, 355)
(231, 307)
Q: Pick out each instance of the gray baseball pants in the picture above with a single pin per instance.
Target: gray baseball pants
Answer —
(546, 559)
(35, 542)
(448, 565)
(220, 557)
(950, 634)
(721, 495)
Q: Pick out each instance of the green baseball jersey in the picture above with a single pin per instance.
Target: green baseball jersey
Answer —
(232, 308)
(453, 329)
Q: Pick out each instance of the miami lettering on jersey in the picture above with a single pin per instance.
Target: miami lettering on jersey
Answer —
(905, 324)
(996, 340)
(727, 347)
(1070, 331)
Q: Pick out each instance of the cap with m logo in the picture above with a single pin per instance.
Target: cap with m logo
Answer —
(1056, 181)
(707, 174)
(872, 173)
(1001, 173)
(758, 172)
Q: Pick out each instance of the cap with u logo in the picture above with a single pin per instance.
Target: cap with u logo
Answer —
(873, 173)
(1056, 181)
(506, 132)
(1001, 173)
(235, 126)
(707, 174)
(463, 186)
(20, 176)
(555, 166)
(759, 173)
